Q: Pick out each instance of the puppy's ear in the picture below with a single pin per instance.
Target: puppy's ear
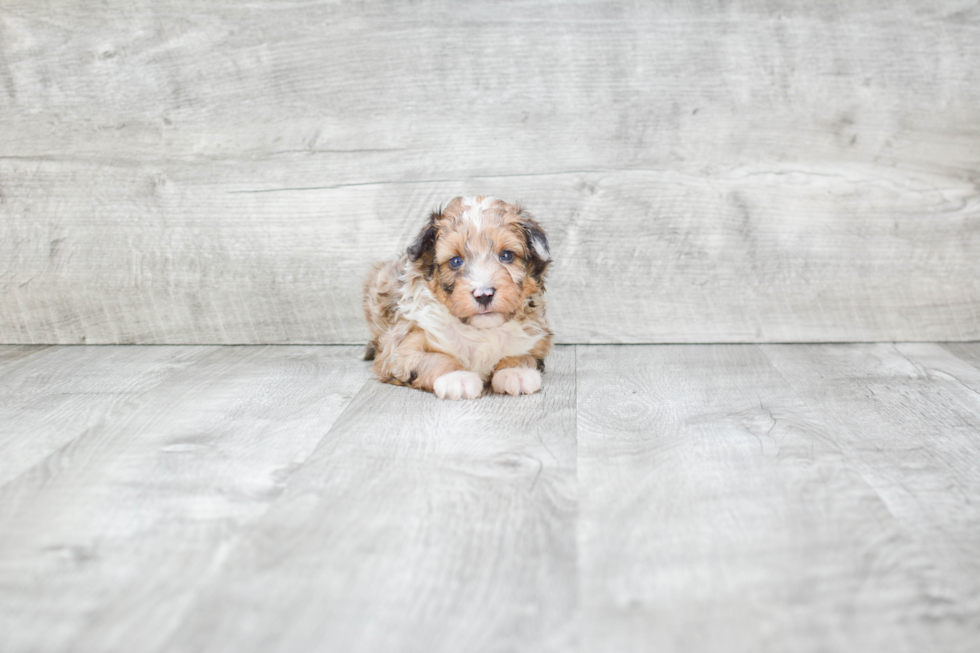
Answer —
(423, 249)
(536, 244)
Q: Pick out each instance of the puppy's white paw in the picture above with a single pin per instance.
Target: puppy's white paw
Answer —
(458, 385)
(516, 381)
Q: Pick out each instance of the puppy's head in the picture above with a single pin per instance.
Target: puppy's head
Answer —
(482, 258)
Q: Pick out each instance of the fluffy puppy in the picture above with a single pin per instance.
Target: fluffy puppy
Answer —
(464, 305)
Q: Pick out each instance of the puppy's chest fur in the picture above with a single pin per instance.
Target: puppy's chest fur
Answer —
(478, 350)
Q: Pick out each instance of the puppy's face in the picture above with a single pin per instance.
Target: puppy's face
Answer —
(482, 258)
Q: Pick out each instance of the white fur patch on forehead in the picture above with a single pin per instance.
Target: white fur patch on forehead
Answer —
(474, 210)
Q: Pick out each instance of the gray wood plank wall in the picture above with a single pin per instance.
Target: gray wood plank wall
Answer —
(771, 171)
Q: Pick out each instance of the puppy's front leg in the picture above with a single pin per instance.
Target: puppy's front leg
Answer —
(445, 377)
(517, 375)
(410, 364)
(461, 384)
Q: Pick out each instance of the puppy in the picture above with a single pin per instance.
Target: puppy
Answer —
(464, 305)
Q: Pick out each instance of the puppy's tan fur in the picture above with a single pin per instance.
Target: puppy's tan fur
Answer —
(429, 329)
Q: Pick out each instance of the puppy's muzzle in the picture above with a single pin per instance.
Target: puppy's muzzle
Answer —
(483, 296)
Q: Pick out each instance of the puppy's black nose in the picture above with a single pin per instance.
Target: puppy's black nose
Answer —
(483, 296)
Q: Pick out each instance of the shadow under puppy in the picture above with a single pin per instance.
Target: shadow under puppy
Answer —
(464, 305)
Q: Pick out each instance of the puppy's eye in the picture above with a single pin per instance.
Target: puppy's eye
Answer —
(506, 256)
(455, 262)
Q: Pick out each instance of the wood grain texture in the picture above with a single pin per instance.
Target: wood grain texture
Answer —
(104, 544)
(10, 356)
(909, 418)
(50, 396)
(178, 173)
(417, 525)
(675, 498)
(730, 504)
(967, 351)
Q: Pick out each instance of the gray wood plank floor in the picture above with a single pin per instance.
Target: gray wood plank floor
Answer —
(672, 498)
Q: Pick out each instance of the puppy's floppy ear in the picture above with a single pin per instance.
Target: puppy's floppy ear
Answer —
(424, 247)
(536, 244)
